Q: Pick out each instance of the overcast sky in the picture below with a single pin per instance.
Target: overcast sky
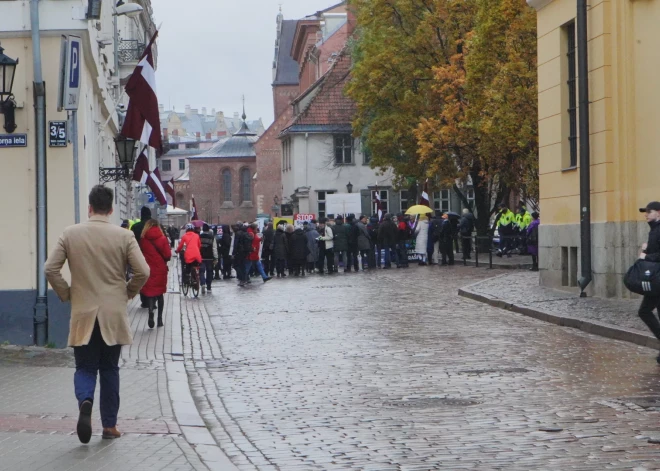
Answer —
(211, 52)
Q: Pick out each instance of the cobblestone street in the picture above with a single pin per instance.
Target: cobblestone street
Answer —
(391, 370)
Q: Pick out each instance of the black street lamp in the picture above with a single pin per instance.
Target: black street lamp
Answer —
(349, 187)
(7, 105)
(126, 153)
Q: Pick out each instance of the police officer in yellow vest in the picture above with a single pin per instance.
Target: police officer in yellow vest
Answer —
(522, 221)
(505, 226)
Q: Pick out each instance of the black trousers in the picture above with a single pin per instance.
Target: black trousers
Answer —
(649, 303)
(447, 251)
(279, 265)
(226, 266)
(239, 265)
(329, 255)
(352, 259)
(267, 260)
(467, 246)
(365, 255)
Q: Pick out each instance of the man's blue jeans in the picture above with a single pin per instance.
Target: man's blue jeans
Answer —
(206, 273)
(95, 357)
(257, 264)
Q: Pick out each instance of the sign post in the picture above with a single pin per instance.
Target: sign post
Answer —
(70, 95)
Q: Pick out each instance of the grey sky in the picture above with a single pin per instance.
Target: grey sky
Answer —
(211, 52)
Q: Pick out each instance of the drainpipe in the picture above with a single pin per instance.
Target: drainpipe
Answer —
(585, 170)
(39, 89)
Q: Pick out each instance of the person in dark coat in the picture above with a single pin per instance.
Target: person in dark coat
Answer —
(387, 238)
(532, 240)
(137, 228)
(651, 252)
(446, 239)
(312, 244)
(340, 231)
(288, 231)
(435, 227)
(353, 233)
(404, 234)
(157, 253)
(364, 242)
(280, 250)
(267, 250)
(465, 229)
(299, 251)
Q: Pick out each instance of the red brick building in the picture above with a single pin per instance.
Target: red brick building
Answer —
(222, 179)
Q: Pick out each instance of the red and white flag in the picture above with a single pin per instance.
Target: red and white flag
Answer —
(379, 204)
(193, 209)
(169, 188)
(424, 199)
(142, 116)
(141, 171)
(156, 186)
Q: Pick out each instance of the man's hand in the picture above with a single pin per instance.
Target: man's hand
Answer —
(644, 246)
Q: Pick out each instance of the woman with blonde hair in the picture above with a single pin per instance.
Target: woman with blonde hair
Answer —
(156, 250)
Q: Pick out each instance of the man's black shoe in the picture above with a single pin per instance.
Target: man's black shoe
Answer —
(84, 427)
(267, 279)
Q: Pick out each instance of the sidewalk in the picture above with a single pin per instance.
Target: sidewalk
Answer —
(515, 262)
(520, 292)
(162, 428)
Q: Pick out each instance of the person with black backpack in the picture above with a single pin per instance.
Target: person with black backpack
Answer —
(242, 248)
(651, 253)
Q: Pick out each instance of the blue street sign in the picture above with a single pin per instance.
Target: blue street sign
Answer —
(151, 196)
(73, 62)
(13, 140)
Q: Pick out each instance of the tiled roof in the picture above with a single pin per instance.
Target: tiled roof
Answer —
(287, 68)
(330, 106)
(240, 144)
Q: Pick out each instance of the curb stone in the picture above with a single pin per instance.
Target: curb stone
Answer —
(589, 326)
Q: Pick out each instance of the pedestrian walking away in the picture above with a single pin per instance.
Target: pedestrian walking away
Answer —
(209, 252)
(226, 245)
(465, 229)
(267, 250)
(312, 244)
(254, 259)
(532, 240)
(353, 232)
(137, 228)
(387, 239)
(446, 239)
(422, 232)
(651, 252)
(280, 250)
(157, 253)
(98, 254)
(299, 252)
(340, 231)
(190, 245)
(363, 242)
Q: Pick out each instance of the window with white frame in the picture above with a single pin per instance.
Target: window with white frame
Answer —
(182, 164)
(166, 165)
(343, 149)
(320, 198)
(442, 200)
(384, 203)
(405, 204)
(470, 197)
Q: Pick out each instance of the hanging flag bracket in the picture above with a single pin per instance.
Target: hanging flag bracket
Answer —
(114, 174)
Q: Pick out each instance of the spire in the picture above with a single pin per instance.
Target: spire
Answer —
(244, 115)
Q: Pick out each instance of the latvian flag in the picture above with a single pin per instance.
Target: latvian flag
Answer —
(169, 188)
(193, 209)
(156, 186)
(141, 172)
(379, 204)
(424, 199)
(142, 117)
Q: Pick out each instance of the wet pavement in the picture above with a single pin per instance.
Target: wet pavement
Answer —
(391, 370)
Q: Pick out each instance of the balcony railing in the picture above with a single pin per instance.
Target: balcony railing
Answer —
(130, 50)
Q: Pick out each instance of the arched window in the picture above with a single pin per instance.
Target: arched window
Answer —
(226, 184)
(246, 185)
(180, 200)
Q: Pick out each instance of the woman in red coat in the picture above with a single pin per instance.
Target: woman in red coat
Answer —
(156, 251)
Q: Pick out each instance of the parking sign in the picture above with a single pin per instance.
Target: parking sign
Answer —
(72, 65)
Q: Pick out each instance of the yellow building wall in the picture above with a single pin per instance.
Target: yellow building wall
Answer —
(624, 66)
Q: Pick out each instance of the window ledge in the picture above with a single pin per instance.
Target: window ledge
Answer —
(343, 165)
(569, 169)
(227, 205)
(247, 204)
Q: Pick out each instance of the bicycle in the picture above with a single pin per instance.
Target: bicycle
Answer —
(191, 280)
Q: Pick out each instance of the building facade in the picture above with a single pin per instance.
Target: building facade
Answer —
(98, 124)
(624, 99)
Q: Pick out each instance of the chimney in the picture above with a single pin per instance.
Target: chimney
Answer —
(161, 108)
(165, 134)
(188, 111)
(208, 136)
(198, 135)
(222, 133)
(194, 111)
(204, 111)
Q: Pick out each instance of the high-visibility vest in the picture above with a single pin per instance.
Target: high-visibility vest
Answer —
(505, 219)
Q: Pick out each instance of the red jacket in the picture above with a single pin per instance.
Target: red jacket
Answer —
(193, 247)
(156, 251)
(256, 244)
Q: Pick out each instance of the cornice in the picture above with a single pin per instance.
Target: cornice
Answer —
(538, 4)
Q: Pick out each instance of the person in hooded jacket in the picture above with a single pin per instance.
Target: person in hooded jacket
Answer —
(209, 251)
(312, 244)
(364, 242)
(157, 253)
(280, 250)
(465, 229)
(267, 250)
(137, 228)
(353, 234)
(651, 252)
(340, 231)
(299, 251)
(253, 259)
(226, 243)
(387, 238)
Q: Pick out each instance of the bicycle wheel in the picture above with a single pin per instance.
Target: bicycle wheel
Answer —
(184, 285)
(195, 283)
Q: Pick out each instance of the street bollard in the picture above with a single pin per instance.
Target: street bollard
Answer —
(476, 251)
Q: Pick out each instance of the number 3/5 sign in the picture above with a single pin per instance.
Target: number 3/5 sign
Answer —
(57, 134)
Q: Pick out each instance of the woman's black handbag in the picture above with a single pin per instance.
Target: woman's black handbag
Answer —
(643, 278)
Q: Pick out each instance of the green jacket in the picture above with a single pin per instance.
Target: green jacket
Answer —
(340, 232)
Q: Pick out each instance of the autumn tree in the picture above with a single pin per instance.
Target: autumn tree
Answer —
(447, 89)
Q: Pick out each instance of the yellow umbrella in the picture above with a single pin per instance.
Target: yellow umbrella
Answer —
(419, 209)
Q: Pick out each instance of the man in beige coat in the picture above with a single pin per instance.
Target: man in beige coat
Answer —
(98, 254)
